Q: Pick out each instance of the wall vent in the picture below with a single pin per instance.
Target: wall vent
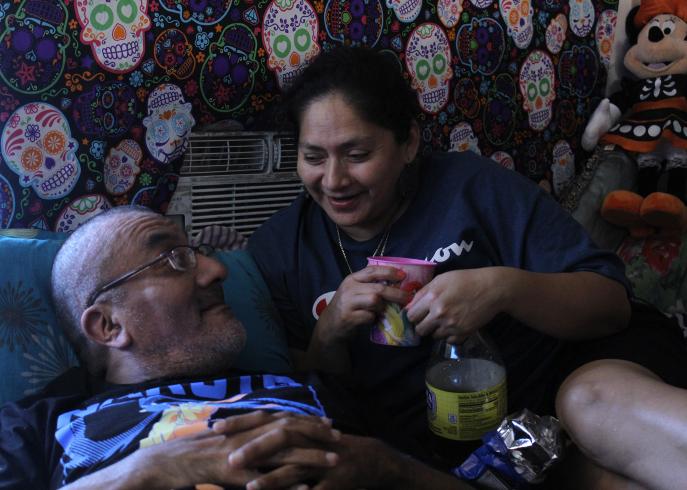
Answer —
(236, 179)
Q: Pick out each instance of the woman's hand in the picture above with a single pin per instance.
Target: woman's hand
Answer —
(457, 303)
(358, 301)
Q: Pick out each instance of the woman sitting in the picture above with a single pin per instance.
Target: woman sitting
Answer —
(510, 261)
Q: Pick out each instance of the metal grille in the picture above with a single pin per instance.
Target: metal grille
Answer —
(236, 179)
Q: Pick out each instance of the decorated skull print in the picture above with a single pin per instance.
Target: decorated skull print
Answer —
(115, 31)
(503, 159)
(499, 116)
(579, 69)
(555, 33)
(605, 34)
(289, 34)
(449, 12)
(537, 82)
(81, 210)
(466, 97)
(168, 123)
(428, 60)
(358, 22)
(228, 74)
(581, 17)
(462, 138)
(34, 43)
(203, 12)
(37, 146)
(563, 166)
(106, 110)
(7, 203)
(481, 4)
(173, 54)
(122, 167)
(406, 10)
(517, 14)
(480, 45)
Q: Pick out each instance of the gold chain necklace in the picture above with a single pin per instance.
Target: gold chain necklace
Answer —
(379, 250)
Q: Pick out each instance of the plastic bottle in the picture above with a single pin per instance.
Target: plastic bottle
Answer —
(466, 393)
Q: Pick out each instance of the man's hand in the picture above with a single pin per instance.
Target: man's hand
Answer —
(234, 452)
(365, 462)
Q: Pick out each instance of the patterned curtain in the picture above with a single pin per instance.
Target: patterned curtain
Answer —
(98, 97)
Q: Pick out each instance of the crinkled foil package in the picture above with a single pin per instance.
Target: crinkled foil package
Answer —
(534, 443)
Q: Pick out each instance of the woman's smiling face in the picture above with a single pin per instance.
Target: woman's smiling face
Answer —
(350, 166)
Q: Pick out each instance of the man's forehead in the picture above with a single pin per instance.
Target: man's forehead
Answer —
(150, 232)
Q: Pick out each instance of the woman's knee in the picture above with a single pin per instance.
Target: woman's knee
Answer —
(594, 391)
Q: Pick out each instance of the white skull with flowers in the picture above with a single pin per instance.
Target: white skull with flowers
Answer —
(428, 60)
(563, 166)
(115, 30)
(406, 10)
(289, 34)
(605, 34)
(121, 167)
(556, 32)
(449, 12)
(462, 138)
(537, 81)
(37, 145)
(81, 210)
(581, 16)
(168, 123)
(518, 17)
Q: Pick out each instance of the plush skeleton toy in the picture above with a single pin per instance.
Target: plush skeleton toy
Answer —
(648, 119)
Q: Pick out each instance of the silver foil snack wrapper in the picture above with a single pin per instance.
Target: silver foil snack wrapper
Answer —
(534, 443)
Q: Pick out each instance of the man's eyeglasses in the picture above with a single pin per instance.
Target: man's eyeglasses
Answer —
(180, 258)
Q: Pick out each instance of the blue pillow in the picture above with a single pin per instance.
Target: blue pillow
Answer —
(246, 293)
(33, 350)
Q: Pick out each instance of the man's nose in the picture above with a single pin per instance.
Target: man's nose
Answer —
(209, 270)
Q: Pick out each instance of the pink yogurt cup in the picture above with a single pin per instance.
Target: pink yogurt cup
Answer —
(393, 327)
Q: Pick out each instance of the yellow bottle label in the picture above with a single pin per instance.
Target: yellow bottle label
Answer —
(465, 416)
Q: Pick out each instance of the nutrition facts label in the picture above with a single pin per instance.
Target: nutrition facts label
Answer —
(465, 416)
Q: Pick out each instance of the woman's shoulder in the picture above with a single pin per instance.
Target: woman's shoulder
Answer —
(469, 167)
(285, 225)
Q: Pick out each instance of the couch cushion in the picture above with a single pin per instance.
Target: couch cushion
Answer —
(33, 349)
(657, 269)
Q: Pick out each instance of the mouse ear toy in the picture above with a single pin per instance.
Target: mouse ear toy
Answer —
(648, 120)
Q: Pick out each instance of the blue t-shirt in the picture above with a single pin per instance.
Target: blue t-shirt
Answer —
(79, 424)
(468, 212)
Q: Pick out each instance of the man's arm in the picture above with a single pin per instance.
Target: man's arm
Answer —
(290, 447)
(365, 462)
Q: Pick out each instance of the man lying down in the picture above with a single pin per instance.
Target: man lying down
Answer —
(159, 405)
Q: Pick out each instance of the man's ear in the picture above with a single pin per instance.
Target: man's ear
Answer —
(101, 327)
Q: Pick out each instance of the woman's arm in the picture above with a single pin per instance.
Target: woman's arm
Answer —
(574, 305)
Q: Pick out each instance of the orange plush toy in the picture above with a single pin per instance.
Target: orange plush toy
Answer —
(648, 119)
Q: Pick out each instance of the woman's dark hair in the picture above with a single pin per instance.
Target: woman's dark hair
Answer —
(370, 81)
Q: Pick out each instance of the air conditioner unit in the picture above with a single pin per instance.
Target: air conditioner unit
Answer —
(236, 179)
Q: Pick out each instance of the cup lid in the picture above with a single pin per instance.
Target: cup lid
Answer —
(384, 260)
